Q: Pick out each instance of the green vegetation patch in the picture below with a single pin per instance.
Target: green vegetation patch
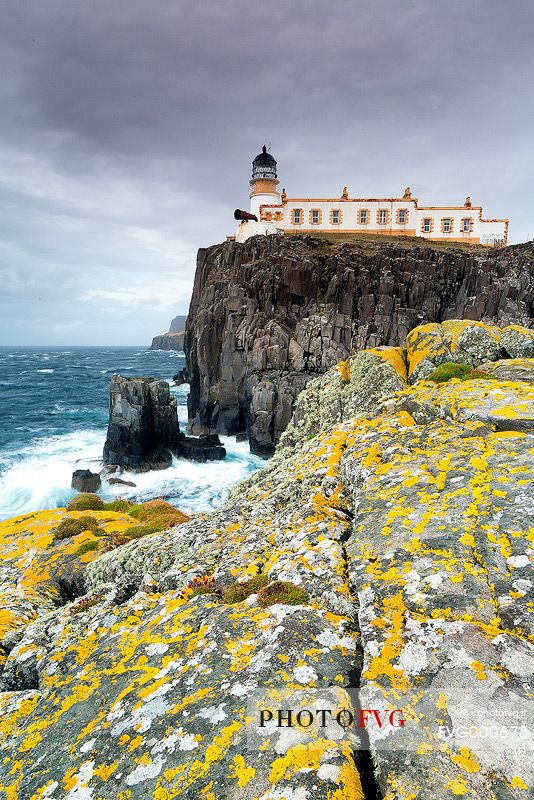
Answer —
(462, 372)
(159, 513)
(137, 531)
(118, 505)
(283, 592)
(238, 592)
(86, 547)
(86, 502)
(72, 527)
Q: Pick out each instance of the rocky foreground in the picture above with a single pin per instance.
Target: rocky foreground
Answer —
(387, 545)
(269, 315)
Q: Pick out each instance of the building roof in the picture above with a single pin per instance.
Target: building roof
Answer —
(264, 158)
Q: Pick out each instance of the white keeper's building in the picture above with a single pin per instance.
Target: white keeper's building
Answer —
(390, 216)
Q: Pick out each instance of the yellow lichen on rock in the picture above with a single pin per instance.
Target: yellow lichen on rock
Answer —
(395, 356)
(36, 560)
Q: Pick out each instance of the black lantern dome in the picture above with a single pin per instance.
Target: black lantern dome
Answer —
(264, 165)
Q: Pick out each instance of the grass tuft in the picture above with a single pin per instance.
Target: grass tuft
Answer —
(118, 505)
(86, 547)
(159, 513)
(69, 527)
(85, 502)
(462, 372)
(238, 592)
(283, 592)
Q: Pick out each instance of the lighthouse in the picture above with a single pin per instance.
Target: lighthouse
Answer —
(263, 191)
(399, 215)
(263, 195)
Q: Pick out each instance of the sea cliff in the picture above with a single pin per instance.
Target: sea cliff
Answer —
(387, 545)
(269, 315)
(168, 341)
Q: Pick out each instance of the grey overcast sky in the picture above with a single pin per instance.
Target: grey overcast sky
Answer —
(128, 128)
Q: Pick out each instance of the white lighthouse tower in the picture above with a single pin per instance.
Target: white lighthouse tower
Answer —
(263, 193)
(263, 183)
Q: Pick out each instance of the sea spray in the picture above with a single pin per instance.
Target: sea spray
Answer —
(55, 422)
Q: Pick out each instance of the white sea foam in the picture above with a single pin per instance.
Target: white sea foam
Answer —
(45, 370)
(39, 475)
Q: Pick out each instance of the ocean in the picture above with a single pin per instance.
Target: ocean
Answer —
(53, 420)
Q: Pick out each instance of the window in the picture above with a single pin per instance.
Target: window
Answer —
(402, 216)
(427, 225)
(297, 216)
(446, 225)
(335, 216)
(363, 216)
(466, 224)
(382, 216)
(316, 216)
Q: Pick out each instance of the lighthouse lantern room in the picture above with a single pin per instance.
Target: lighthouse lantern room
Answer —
(263, 191)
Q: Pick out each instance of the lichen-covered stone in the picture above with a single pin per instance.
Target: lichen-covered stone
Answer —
(510, 369)
(353, 387)
(464, 341)
(38, 572)
(518, 341)
(405, 514)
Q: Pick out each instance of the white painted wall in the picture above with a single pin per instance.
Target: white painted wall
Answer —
(258, 200)
(485, 231)
(247, 229)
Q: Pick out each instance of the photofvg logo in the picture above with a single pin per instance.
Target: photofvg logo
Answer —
(345, 717)
(384, 720)
(280, 717)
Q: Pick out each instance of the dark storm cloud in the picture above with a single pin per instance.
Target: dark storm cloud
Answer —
(128, 129)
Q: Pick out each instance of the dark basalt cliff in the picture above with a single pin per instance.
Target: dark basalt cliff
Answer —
(268, 315)
(174, 338)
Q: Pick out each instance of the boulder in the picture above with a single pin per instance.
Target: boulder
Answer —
(510, 369)
(204, 448)
(180, 378)
(120, 482)
(83, 480)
